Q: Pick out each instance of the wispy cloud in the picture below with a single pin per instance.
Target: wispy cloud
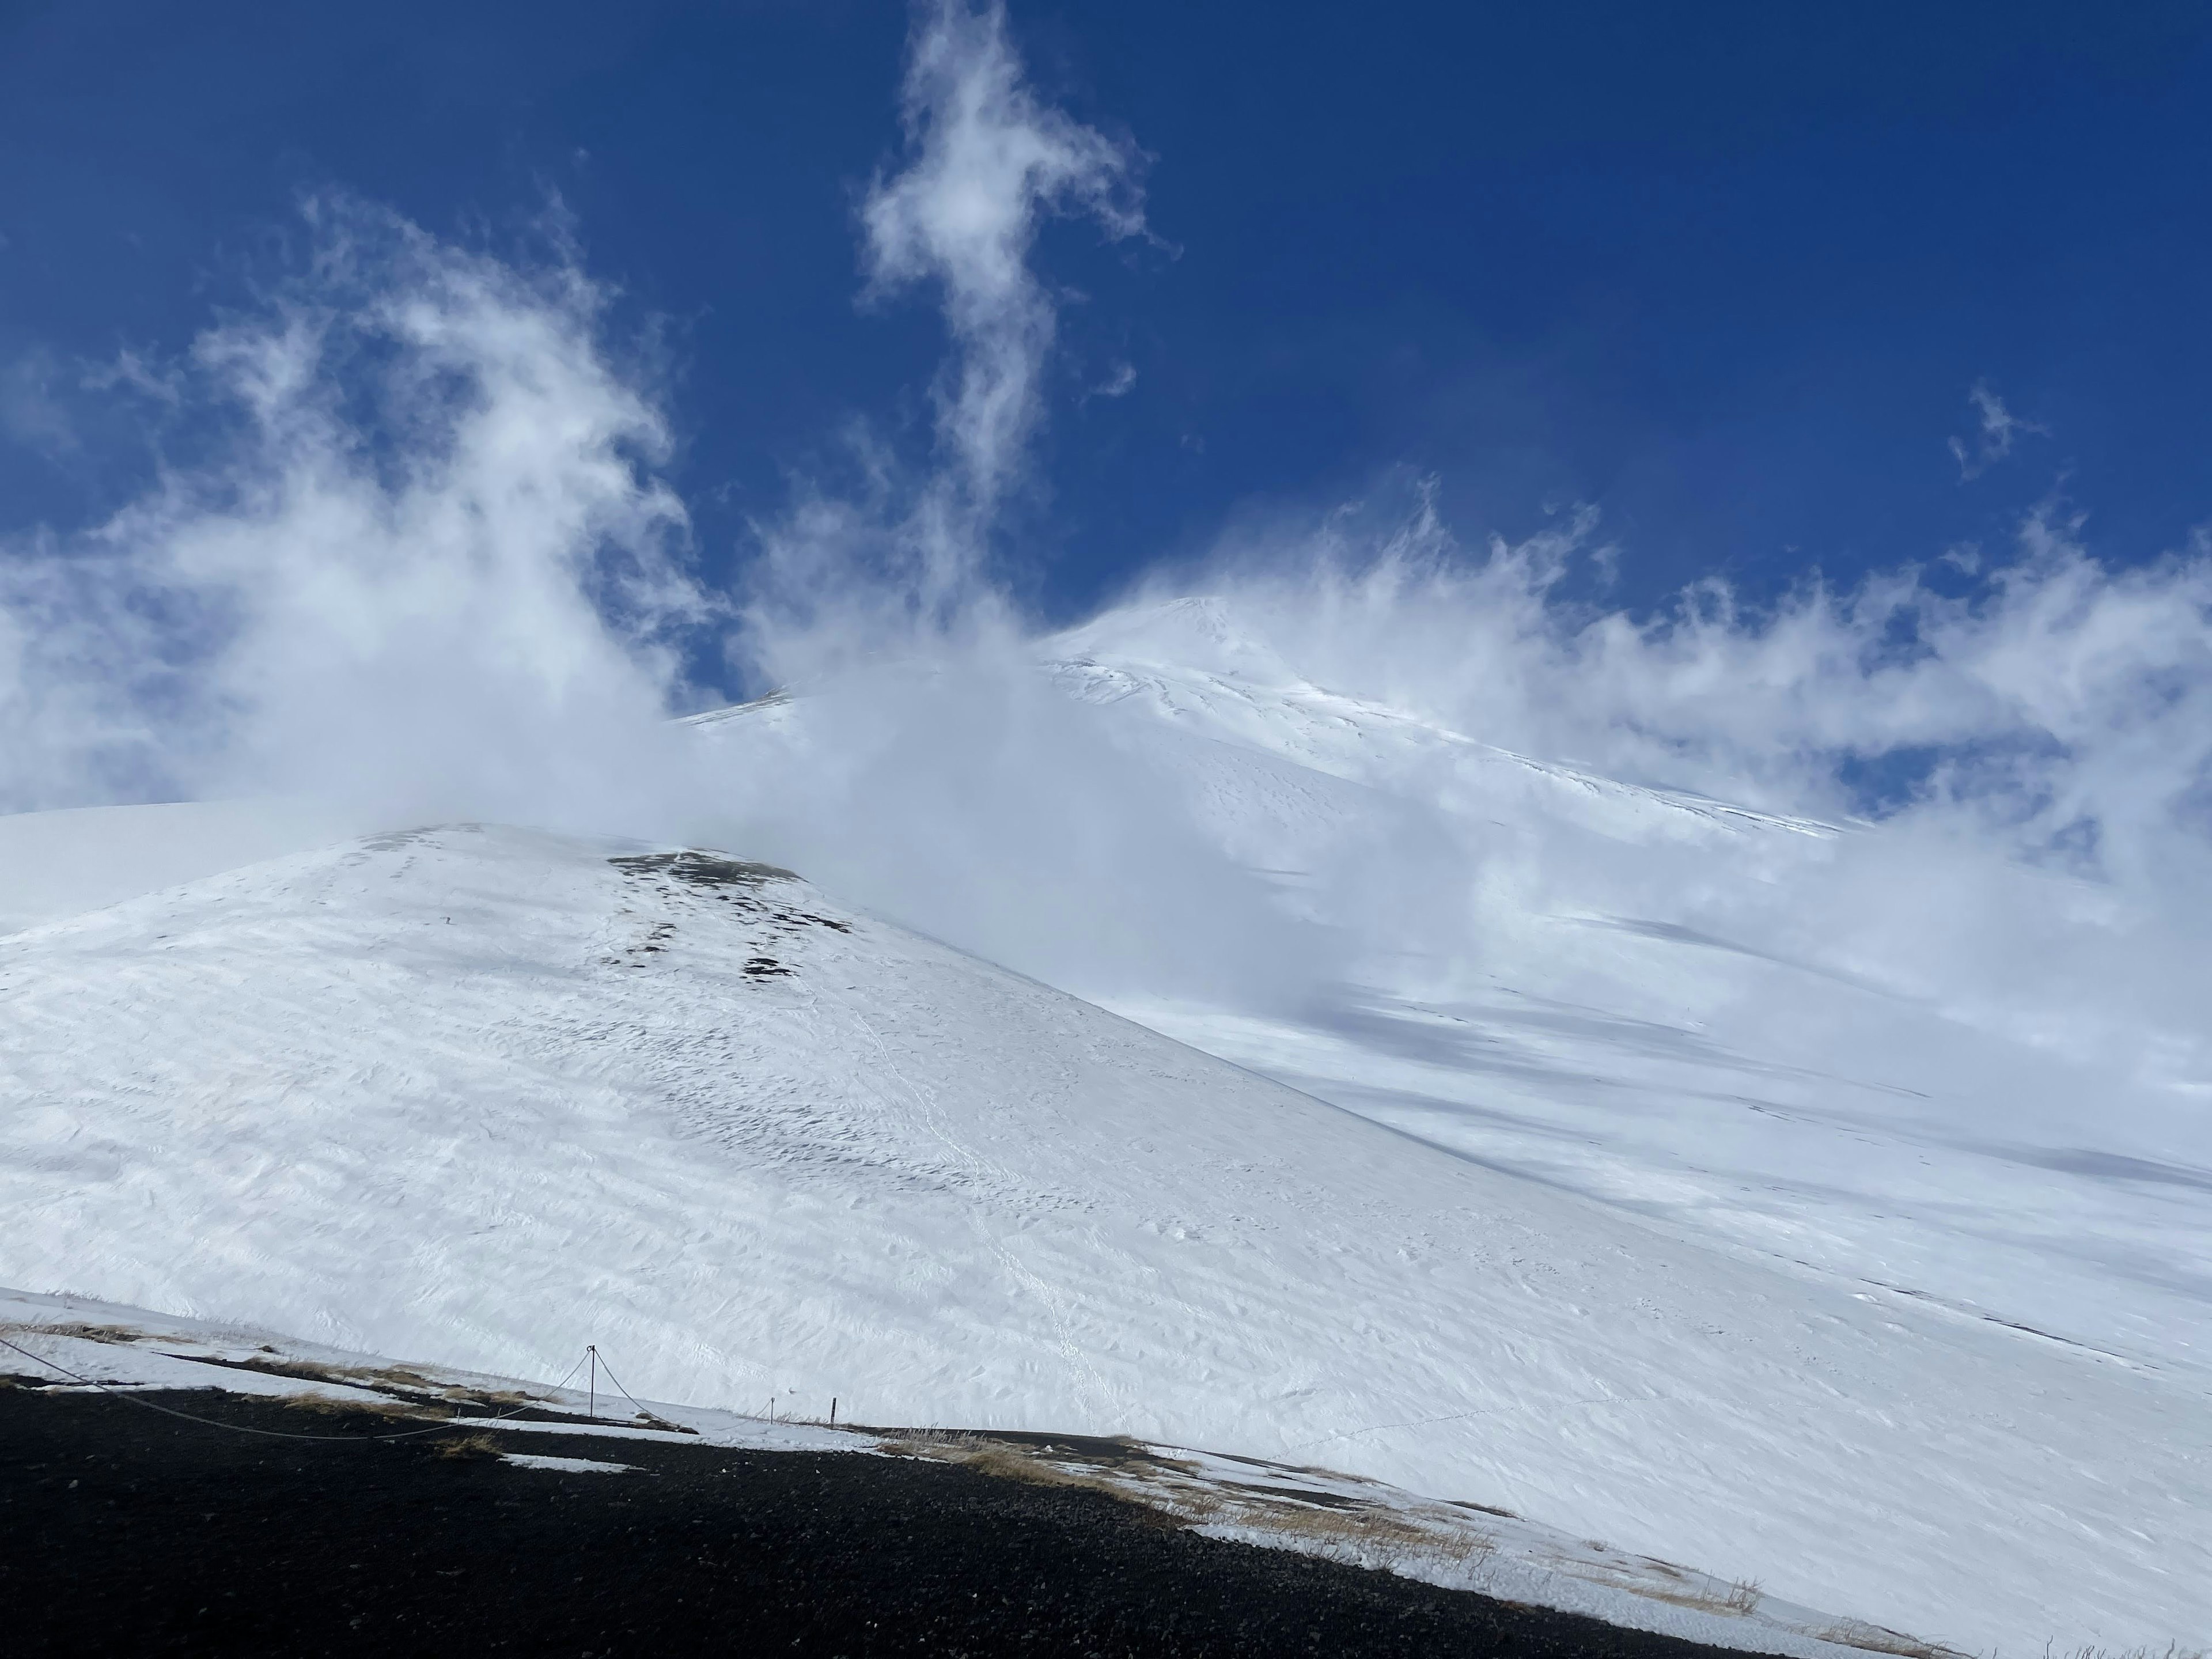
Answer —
(986, 162)
(426, 561)
(1999, 427)
(1120, 381)
(2059, 689)
(31, 412)
(940, 777)
(893, 557)
(430, 562)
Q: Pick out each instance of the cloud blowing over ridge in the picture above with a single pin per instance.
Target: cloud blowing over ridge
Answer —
(434, 568)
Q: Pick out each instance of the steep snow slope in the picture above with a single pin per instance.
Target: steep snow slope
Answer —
(1773, 1029)
(480, 1096)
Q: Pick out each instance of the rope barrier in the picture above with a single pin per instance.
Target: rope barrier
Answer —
(617, 1381)
(280, 1434)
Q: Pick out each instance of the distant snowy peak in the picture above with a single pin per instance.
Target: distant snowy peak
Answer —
(1196, 633)
(1190, 664)
(1192, 667)
(774, 706)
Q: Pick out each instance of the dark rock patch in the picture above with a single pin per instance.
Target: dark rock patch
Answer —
(700, 869)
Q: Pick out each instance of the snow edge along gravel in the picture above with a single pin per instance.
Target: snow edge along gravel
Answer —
(73, 1343)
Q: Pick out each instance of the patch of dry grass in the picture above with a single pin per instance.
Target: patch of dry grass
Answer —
(1349, 1531)
(113, 1333)
(1737, 1600)
(1004, 1461)
(1878, 1638)
(431, 1411)
(466, 1446)
(1363, 1535)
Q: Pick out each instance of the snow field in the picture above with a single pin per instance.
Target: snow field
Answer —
(479, 1095)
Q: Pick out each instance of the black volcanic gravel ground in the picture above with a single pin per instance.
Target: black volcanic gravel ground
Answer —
(124, 1532)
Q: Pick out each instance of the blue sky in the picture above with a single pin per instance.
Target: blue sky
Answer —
(1727, 272)
(329, 470)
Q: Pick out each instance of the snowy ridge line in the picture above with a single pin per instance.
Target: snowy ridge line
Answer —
(1101, 679)
(1457, 1546)
(1253, 715)
(708, 717)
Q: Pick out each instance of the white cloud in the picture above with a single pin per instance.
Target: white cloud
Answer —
(30, 412)
(1999, 427)
(433, 572)
(893, 559)
(941, 780)
(986, 162)
(2026, 689)
(433, 567)
(429, 563)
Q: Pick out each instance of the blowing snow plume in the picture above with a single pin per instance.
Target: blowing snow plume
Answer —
(939, 776)
(423, 565)
(422, 559)
(419, 558)
(2053, 718)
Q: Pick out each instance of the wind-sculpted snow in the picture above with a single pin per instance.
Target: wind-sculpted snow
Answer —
(1770, 1028)
(480, 1096)
(1876, 1052)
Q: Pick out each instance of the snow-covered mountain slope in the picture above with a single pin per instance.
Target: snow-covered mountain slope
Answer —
(479, 1095)
(1878, 1055)
(1823, 1041)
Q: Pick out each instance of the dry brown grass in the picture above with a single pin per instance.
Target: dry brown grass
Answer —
(397, 1377)
(121, 1333)
(1012, 1465)
(466, 1446)
(1351, 1532)
(1877, 1638)
(1004, 1461)
(381, 1379)
(920, 1442)
(1194, 1505)
(1738, 1600)
(1377, 1537)
(1369, 1528)
(429, 1411)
